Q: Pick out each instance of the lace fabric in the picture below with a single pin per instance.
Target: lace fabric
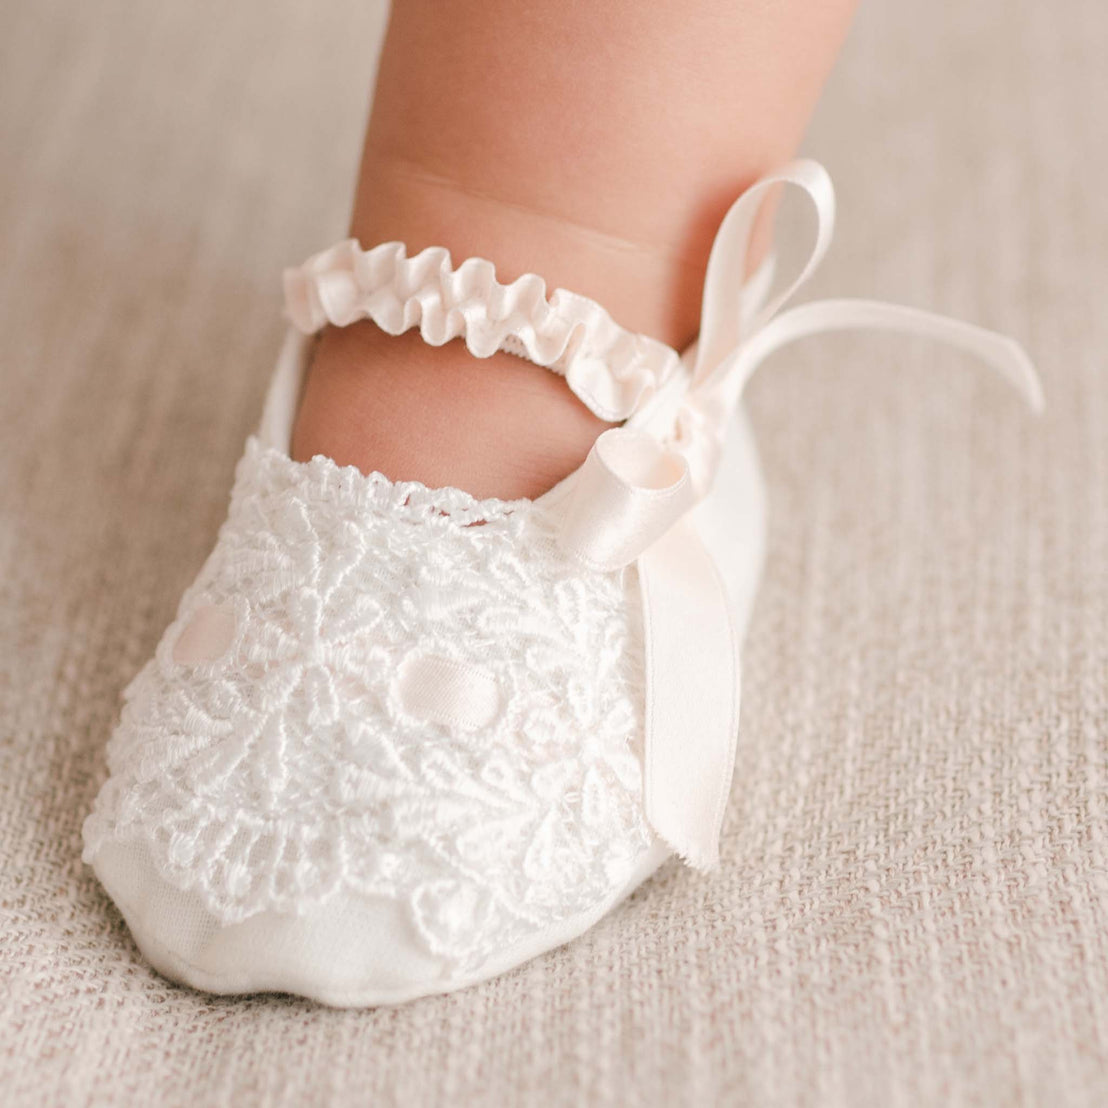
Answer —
(291, 766)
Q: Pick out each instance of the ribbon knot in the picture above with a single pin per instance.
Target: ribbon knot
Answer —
(632, 501)
(631, 490)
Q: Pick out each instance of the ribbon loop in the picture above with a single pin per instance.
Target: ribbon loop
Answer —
(630, 491)
(722, 316)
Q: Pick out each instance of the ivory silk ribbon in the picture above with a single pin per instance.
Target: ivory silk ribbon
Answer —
(630, 502)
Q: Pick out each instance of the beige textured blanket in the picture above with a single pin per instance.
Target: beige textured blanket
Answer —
(913, 905)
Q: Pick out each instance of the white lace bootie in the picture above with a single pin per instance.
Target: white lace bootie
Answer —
(383, 752)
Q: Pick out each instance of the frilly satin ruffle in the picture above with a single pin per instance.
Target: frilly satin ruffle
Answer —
(612, 370)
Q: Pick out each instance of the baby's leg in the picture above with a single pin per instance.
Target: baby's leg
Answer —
(597, 144)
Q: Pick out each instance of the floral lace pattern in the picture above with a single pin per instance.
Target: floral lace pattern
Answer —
(290, 767)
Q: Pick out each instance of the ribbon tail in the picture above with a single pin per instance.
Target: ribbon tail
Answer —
(1003, 354)
(692, 694)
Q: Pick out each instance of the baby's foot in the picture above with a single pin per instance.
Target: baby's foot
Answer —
(383, 753)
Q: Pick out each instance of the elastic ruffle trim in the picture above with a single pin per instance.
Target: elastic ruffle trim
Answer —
(612, 370)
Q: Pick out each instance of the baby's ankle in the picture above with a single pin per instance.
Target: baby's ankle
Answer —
(496, 426)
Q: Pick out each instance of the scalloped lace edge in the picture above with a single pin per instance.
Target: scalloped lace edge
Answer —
(375, 494)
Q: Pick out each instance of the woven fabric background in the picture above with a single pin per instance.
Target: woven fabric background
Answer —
(913, 905)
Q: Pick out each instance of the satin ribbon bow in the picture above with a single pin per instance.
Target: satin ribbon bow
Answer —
(632, 501)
